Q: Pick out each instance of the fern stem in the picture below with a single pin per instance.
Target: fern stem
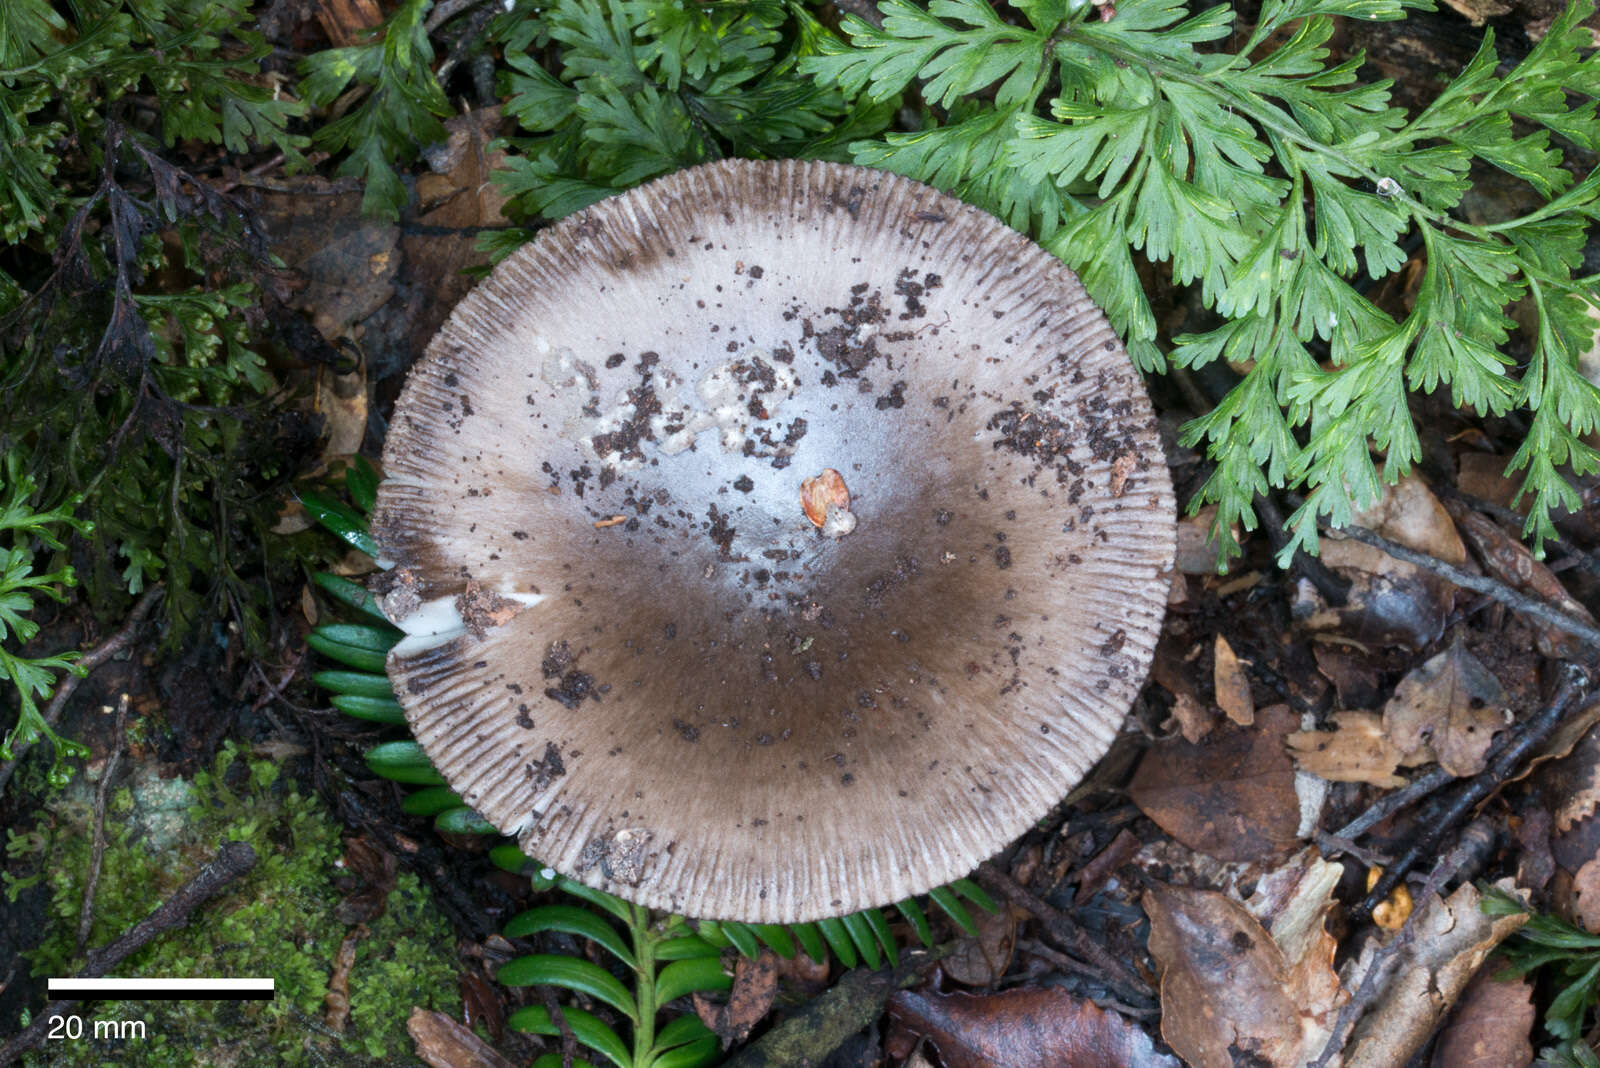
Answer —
(644, 951)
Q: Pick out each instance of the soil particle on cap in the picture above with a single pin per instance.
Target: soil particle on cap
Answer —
(895, 398)
(911, 291)
(573, 687)
(721, 533)
(396, 592)
(689, 731)
(481, 609)
(619, 854)
(548, 768)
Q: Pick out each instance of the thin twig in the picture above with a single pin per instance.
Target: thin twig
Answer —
(1574, 684)
(447, 10)
(1054, 956)
(98, 851)
(232, 860)
(1508, 515)
(1529, 606)
(69, 682)
(569, 1041)
(1393, 802)
(1112, 971)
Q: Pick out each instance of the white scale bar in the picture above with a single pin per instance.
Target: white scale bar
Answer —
(163, 988)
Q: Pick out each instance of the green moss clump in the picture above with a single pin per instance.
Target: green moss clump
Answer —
(280, 922)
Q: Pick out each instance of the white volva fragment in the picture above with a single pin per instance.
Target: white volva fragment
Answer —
(438, 621)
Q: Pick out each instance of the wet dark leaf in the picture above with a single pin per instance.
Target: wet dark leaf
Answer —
(1029, 1027)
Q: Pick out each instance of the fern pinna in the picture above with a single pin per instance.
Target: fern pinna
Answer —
(654, 959)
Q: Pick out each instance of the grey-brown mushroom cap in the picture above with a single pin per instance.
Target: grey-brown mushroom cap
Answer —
(629, 647)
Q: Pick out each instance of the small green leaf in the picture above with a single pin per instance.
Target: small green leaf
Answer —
(575, 921)
(838, 937)
(679, 1030)
(462, 820)
(879, 923)
(404, 762)
(376, 709)
(975, 894)
(430, 801)
(355, 683)
(810, 940)
(548, 969)
(865, 941)
(586, 1028)
(345, 524)
(361, 480)
(508, 856)
(685, 947)
(351, 594)
(697, 974)
(776, 937)
(946, 900)
(610, 902)
(743, 939)
(701, 1051)
(917, 919)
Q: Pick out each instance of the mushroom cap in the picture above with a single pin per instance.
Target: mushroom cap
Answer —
(628, 645)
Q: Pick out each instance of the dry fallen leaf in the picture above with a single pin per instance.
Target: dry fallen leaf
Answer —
(1024, 1028)
(1508, 560)
(1223, 982)
(1352, 672)
(1490, 1026)
(755, 984)
(1586, 885)
(336, 1004)
(1232, 685)
(981, 960)
(1231, 796)
(1391, 601)
(1448, 710)
(343, 263)
(1452, 938)
(441, 1042)
(1357, 750)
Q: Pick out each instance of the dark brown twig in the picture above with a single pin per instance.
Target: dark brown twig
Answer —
(1111, 971)
(1067, 964)
(1521, 602)
(233, 860)
(69, 682)
(1574, 685)
(569, 1041)
(97, 851)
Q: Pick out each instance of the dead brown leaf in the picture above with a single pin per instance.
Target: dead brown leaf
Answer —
(755, 984)
(455, 202)
(1508, 560)
(443, 1043)
(347, 22)
(1452, 938)
(1231, 796)
(1448, 710)
(1357, 750)
(981, 959)
(1232, 685)
(1027, 1027)
(336, 1005)
(1392, 601)
(342, 264)
(1223, 981)
(1586, 885)
(1490, 1026)
(1351, 671)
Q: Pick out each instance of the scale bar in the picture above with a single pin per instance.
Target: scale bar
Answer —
(164, 989)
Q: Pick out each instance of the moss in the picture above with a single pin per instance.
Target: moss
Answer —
(280, 922)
